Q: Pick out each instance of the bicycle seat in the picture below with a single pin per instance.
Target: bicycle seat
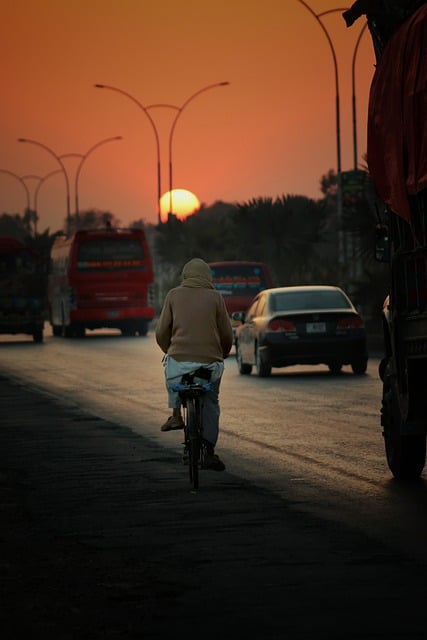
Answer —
(202, 373)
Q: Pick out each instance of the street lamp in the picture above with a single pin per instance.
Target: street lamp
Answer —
(37, 189)
(353, 86)
(64, 171)
(21, 180)
(83, 157)
(179, 111)
(156, 134)
(317, 17)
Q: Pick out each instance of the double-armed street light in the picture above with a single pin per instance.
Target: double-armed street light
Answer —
(64, 171)
(179, 111)
(146, 111)
(156, 135)
(342, 248)
(318, 18)
(83, 157)
(22, 181)
(353, 97)
(41, 180)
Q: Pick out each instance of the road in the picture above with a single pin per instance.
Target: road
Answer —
(310, 437)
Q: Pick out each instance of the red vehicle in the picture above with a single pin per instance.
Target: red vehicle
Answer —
(239, 282)
(22, 289)
(397, 160)
(101, 278)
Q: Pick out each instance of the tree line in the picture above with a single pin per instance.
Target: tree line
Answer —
(298, 237)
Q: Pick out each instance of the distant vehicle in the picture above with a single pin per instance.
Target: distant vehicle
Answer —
(22, 289)
(286, 326)
(101, 278)
(239, 282)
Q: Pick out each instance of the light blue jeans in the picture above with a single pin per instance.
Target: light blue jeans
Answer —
(174, 371)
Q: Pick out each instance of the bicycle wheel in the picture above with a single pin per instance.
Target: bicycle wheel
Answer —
(194, 417)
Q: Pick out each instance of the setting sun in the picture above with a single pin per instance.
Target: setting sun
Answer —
(183, 202)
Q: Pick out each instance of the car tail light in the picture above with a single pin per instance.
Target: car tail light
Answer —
(350, 322)
(282, 325)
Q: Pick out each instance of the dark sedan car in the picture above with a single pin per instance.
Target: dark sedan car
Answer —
(313, 324)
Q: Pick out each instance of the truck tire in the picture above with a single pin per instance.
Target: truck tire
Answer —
(38, 335)
(359, 366)
(406, 454)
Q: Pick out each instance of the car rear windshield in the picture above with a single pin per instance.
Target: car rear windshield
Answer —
(300, 300)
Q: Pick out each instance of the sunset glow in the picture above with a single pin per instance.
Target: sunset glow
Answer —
(184, 203)
(265, 128)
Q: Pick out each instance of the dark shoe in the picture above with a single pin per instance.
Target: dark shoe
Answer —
(213, 462)
(172, 423)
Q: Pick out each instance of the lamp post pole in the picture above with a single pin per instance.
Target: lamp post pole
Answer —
(37, 189)
(83, 157)
(21, 180)
(178, 114)
(64, 171)
(156, 135)
(317, 17)
(353, 97)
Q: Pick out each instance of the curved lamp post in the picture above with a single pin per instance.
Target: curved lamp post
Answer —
(353, 97)
(21, 180)
(179, 111)
(317, 17)
(83, 157)
(64, 171)
(156, 134)
(37, 189)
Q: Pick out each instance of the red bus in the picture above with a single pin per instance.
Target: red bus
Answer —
(101, 278)
(239, 281)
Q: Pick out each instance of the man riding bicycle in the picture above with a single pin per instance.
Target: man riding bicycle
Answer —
(194, 331)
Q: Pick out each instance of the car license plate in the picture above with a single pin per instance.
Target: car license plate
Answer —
(113, 314)
(316, 327)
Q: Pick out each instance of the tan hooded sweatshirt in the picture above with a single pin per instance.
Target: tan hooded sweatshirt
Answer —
(194, 325)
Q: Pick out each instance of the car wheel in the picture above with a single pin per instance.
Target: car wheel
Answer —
(335, 367)
(262, 364)
(244, 369)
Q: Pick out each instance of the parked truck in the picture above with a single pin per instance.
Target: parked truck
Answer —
(397, 162)
(22, 289)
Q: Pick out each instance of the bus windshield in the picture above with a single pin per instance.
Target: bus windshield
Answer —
(110, 254)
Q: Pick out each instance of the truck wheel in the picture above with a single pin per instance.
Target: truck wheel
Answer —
(406, 454)
(38, 335)
(142, 328)
(244, 369)
(335, 367)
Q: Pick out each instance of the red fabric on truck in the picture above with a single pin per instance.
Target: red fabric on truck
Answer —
(397, 118)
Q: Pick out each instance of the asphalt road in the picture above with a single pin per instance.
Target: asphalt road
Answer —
(101, 537)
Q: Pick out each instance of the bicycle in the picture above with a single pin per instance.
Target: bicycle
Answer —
(191, 394)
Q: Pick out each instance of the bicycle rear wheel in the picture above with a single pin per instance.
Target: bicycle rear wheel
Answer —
(194, 443)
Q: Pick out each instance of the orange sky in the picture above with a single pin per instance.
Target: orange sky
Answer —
(272, 131)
